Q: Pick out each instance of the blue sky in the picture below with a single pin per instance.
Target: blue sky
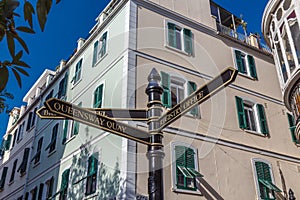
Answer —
(70, 20)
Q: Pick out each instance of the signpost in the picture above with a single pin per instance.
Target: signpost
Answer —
(106, 119)
(197, 97)
(85, 116)
(116, 114)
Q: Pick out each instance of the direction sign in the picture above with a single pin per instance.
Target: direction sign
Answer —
(85, 116)
(115, 113)
(197, 97)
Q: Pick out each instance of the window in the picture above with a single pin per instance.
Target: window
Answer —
(251, 116)
(37, 155)
(292, 128)
(41, 189)
(175, 89)
(98, 95)
(3, 177)
(49, 185)
(264, 181)
(52, 144)
(65, 131)
(179, 38)
(75, 128)
(21, 131)
(13, 171)
(15, 138)
(77, 74)
(7, 142)
(22, 168)
(29, 121)
(33, 193)
(26, 196)
(91, 180)
(245, 64)
(100, 48)
(185, 167)
(64, 185)
(50, 95)
(62, 90)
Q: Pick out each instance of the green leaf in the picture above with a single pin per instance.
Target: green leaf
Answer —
(28, 11)
(20, 63)
(10, 43)
(22, 42)
(18, 56)
(48, 5)
(21, 71)
(25, 29)
(3, 77)
(42, 13)
(17, 77)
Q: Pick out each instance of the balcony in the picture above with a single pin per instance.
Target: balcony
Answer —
(235, 28)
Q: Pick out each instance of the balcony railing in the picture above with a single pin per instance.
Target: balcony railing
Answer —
(243, 38)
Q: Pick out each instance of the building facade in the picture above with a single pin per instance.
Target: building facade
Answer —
(235, 145)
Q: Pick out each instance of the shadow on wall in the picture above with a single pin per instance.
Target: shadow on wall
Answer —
(207, 191)
(108, 182)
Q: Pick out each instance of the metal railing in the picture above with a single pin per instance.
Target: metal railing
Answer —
(241, 37)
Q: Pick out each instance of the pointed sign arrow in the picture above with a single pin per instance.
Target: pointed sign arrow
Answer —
(225, 78)
(85, 116)
(114, 113)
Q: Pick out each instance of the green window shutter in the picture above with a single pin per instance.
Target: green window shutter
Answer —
(95, 54)
(92, 165)
(40, 195)
(292, 127)
(60, 88)
(23, 166)
(180, 155)
(188, 41)
(252, 67)
(98, 94)
(190, 161)
(77, 71)
(65, 131)
(65, 179)
(3, 177)
(7, 142)
(239, 62)
(165, 83)
(241, 112)
(65, 85)
(192, 87)
(76, 124)
(171, 35)
(262, 119)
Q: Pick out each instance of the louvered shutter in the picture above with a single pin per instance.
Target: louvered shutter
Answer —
(292, 127)
(262, 119)
(171, 35)
(241, 112)
(252, 67)
(95, 54)
(188, 42)
(165, 83)
(239, 61)
(192, 87)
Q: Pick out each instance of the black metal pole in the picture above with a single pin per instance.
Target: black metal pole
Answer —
(155, 152)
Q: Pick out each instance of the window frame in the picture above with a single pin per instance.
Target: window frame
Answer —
(186, 41)
(76, 78)
(261, 122)
(97, 56)
(175, 188)
(250, 70)
(256, 179)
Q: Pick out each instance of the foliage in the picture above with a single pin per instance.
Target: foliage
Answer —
(10, 31)
(3, 105)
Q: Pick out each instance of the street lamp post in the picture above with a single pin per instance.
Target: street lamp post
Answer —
(155, 153)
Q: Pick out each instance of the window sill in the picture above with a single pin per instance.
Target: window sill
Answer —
(36, 164)
(91, 196)
(196, 192)
(11, 182)
(256, 133)
(247, 76)
(51, 153)
(70, 139)
(77, 82)
(100, 59)
(178, 50)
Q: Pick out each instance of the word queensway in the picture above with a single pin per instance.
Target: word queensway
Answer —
(71, 111)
